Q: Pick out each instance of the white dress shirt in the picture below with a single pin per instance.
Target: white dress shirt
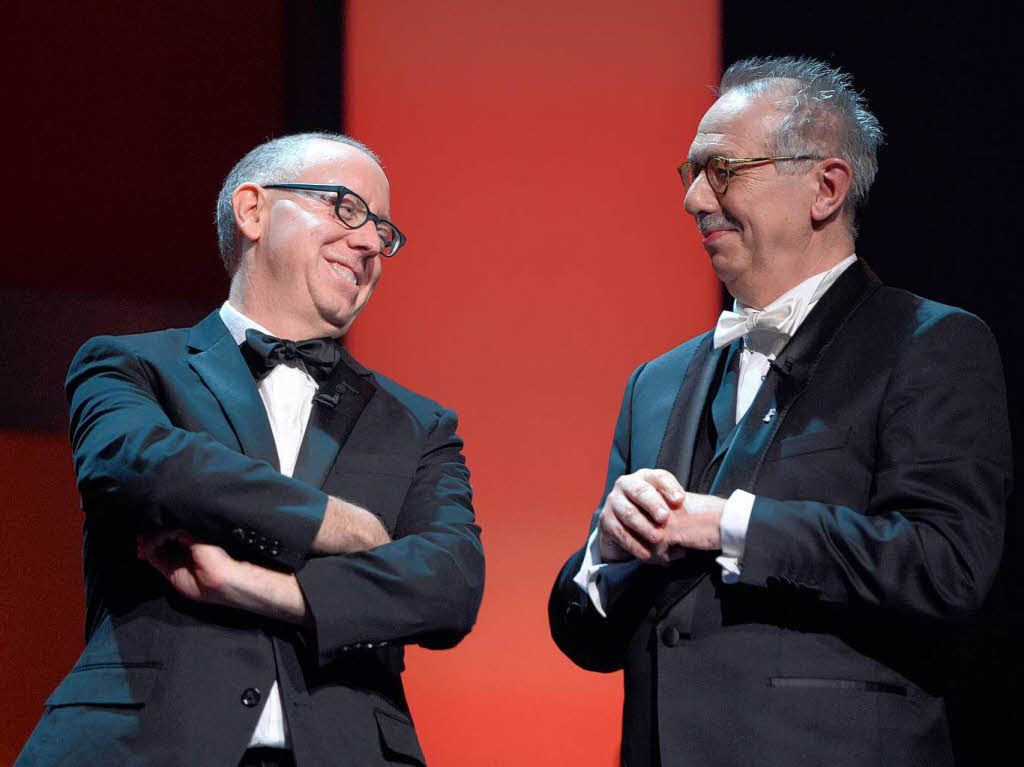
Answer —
(603, 581)
(287, 395)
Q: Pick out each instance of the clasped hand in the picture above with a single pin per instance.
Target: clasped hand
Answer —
(650, 517)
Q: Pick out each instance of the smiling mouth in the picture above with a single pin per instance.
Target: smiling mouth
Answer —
(343, 271)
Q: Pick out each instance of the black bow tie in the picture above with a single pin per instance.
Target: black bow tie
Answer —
(263, 353)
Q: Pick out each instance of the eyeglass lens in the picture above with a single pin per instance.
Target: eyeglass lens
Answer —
(716, 170)
(353, 213)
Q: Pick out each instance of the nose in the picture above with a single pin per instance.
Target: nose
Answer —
(365, 239)
(700, 197)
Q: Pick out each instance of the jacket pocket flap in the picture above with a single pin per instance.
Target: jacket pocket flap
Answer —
(398, 737)
(813, 442)
(105, 685)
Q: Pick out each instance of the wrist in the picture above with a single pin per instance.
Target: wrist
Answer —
(269, 593)
(707, 511)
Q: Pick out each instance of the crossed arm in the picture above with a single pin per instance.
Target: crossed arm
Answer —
(186, 494)
(205, 572)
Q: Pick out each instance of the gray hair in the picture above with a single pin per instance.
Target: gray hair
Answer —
(824, 115)
(274, 162)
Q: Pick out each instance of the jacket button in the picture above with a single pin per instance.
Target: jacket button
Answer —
(670, 636)
(250, 697)
(239, 533)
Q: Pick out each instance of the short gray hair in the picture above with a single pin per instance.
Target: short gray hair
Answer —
(824, 116)
(274, 162)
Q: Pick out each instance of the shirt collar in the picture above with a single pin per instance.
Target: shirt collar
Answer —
(237, 323)
(807, 293)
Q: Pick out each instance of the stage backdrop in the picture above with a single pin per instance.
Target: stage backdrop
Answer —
(532, 150)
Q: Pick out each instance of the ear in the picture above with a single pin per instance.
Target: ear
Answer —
(249, 205)
(834, 176)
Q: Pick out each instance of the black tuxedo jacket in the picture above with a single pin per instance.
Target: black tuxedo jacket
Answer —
(168, 431)
(878, 451)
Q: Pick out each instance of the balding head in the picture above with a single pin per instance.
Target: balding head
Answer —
(275, 162)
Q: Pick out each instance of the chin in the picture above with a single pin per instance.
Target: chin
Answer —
(728, 266)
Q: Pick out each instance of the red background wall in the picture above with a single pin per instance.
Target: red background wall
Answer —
(531, 150)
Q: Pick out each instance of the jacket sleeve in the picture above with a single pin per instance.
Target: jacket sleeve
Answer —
(588, 639)
(138, 471)
(930, 540)
(423, 587)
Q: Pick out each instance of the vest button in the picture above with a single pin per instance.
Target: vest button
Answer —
(250, 697)
(670, 636)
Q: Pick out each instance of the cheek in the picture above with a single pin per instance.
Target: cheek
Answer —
(375, 273)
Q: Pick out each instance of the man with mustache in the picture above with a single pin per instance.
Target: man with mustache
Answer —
(268, 522)
(801, 501)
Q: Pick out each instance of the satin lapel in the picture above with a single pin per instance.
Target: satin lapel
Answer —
(788, 377)
(219, 364)
(676, 452)
(337, 406)
(672, 583)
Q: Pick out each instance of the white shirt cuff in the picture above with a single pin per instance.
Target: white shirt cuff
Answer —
(733, 527)
(601, 581)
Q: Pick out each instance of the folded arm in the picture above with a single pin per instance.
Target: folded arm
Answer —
(425, 585)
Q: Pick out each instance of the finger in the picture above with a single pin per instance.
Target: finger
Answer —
(630, 517)
(645, 497)
(667, 485)
(613, 530)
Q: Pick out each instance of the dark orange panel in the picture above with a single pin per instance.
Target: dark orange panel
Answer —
(41, 590)
(532, 149)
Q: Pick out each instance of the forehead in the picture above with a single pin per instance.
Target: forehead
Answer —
(329, 162)
(736, 125)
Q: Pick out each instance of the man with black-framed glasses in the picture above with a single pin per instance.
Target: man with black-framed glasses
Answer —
(268, 522)
(801, 502)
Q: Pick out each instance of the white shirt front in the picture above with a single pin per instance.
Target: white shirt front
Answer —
(287, 394)
(602, 581)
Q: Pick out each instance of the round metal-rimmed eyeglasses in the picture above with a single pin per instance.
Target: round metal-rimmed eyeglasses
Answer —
(719, 170)
(352, 211)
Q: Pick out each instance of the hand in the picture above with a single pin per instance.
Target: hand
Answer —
(648, 516)
(347, 528)
(200, 571)
(204, 572)
(632, 521)
(697, 524)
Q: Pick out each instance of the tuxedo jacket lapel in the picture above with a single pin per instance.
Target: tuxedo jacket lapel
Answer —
(788, 377)
(340, 401)
(216, 359)
(676, 455)
(676, 451)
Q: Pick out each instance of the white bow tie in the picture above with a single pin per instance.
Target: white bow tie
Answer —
(733, 325)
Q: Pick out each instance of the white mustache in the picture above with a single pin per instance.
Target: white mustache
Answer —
(713, 221)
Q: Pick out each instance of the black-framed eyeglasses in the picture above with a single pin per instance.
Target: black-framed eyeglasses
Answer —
(719, 170)
(352, 211)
